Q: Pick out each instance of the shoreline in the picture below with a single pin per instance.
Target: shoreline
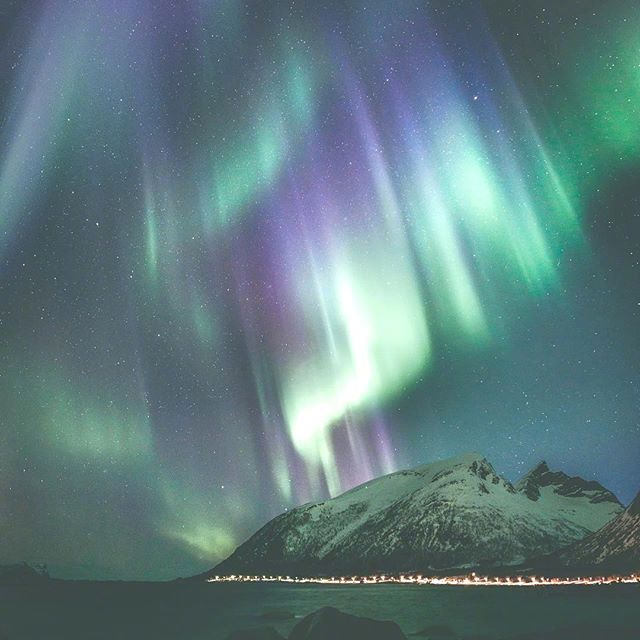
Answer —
(472, 580)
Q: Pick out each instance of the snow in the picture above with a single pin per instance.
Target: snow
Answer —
(617, 540)
(457, 511)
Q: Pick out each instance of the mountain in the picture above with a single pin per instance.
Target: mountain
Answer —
(450, 514)
(552, 488)
(615, 547)
(22, 573)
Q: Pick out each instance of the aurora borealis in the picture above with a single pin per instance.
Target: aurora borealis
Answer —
(254, 253)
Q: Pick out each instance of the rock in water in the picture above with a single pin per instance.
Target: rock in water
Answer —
(21, 573)
(436, 632)
(261, 633)
(592, 631)
(277, 614)
(331, 624)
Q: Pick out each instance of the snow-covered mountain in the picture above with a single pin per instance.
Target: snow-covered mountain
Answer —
(450, 514)
(552, 488)
(615, 546)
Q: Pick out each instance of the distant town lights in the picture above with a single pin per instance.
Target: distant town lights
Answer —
(467, 580)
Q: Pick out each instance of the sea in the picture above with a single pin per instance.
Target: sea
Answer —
(203, 611)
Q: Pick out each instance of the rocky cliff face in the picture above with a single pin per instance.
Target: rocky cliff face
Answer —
(616, 546)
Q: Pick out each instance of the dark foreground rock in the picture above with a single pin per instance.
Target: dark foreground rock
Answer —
(261, 633)
(584, 632)
(22, 574)
(436, 632)
(330, 623)
(277, 614)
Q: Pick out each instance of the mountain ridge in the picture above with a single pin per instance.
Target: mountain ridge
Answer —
(456, 513)
(614, 547)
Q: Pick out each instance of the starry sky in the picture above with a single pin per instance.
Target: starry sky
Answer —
(255, 253)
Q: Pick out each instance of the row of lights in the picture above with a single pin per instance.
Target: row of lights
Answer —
(468, 580)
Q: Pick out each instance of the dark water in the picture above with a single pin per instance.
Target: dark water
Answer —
(124, 611)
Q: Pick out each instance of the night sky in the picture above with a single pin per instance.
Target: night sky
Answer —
(254, 253)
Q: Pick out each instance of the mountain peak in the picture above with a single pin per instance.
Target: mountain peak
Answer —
(470, 456)
(634, 507)
(454, 513)
(461, 460)
(615, 546)
(536, 471)
(541, 478)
